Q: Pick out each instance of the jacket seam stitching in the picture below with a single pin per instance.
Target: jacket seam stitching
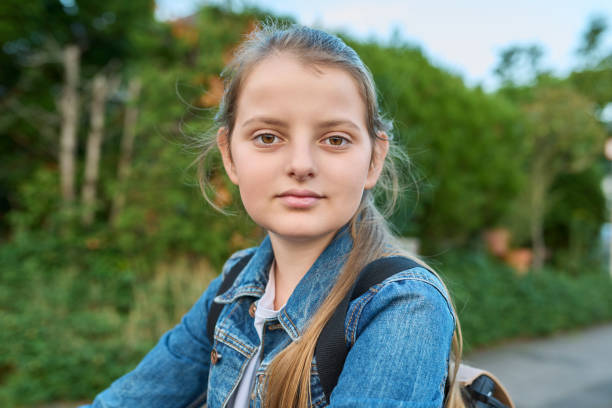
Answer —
(363, 300)
(293, 326)
(230, 341)
(414, 277)
(248, 350)
(376, 288)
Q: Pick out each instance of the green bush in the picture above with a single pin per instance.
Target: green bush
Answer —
(495, 304)
(73, 319)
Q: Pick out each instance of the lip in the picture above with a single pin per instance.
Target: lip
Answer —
(300, 193)
(300, 199)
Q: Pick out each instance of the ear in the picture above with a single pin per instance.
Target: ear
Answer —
(223, 143)
(380, 149)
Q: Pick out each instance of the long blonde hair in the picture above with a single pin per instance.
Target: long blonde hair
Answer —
(288, 375)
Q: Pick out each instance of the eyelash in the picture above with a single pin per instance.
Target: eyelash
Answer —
(344, 140)
(258, 140)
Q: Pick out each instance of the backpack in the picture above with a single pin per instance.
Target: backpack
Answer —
(479, 388)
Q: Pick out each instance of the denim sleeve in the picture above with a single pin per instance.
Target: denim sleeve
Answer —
(175, 372)
(400, 334)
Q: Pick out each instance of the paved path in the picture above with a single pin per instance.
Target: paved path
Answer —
(572, 370)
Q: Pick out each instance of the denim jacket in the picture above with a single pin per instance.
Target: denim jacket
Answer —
(399, 333)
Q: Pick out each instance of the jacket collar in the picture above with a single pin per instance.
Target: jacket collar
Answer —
(310, 291)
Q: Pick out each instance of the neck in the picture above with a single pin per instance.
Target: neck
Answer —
(293, 258)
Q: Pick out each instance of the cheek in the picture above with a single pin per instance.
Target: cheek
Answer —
(255, 200)
(250, 168)
(254, 181)
(350, 175)
(249, 198)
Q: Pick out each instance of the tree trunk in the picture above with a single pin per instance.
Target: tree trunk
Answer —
(539, 189)
(94, 144)
(69, 105)
(127, 146)
(539, 247)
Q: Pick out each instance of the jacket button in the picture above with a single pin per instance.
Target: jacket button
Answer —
(252, 309)
(214, 356)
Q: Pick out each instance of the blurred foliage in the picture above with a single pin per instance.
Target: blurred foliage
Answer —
(495, 304)
(576, 238)
(165, 211)
(80, 305)
(460, 138)
(565, 137)
(519, 63)
(73, 318)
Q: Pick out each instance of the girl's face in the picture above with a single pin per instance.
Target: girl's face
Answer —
(300, 152)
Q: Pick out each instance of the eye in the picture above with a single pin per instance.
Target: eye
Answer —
(336, 141)
(266, 139)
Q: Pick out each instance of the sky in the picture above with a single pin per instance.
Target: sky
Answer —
(463, 37)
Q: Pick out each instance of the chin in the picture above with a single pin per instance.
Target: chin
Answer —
(299, 235)
(297, 232)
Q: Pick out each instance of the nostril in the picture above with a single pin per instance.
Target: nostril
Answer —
(301, 163)
(300, 176)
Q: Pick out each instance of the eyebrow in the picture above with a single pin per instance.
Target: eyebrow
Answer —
(267, 121)
(283, 124)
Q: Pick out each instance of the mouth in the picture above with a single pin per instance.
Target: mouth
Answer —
(300, 199)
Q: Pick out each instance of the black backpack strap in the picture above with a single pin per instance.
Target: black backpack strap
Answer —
(215, 308)
(331, 349)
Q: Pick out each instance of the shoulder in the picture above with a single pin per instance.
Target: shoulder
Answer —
(416, 296)
(236, 258)
(399, 334)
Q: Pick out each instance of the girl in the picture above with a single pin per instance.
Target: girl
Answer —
(301, 135)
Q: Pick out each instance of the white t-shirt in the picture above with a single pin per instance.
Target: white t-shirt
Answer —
(264, 311)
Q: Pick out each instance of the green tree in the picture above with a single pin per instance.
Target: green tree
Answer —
(564, 136)
(519, 64)
(34, 36)
(593, 37)
(594, 77)
(465, 146)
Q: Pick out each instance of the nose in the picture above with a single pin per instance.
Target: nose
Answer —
(301, 164)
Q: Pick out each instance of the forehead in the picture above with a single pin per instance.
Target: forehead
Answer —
(283, 85)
